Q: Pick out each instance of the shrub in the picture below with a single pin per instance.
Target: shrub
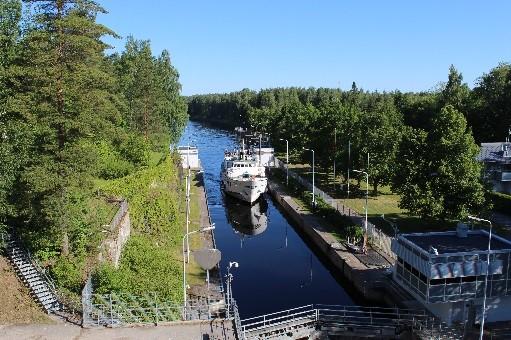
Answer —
(501, 202)
(135, 149)
(67, 271)
(110, 163)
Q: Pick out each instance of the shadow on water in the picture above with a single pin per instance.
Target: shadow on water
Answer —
(278, 267)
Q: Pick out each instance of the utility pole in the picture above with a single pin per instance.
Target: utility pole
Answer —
(349, 163)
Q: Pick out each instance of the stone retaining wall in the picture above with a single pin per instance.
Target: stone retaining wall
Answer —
(120, 229)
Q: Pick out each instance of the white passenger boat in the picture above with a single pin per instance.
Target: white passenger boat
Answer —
(243, 176)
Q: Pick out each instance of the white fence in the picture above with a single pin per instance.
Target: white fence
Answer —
(377, 238)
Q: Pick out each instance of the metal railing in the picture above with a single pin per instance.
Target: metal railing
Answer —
(237, 321)
(376, 237)
(122, 309)
(312, 316)
(274, 320)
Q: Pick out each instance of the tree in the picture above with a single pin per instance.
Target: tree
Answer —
(438, 175)
(490, 114)
(455, 92)
(151, 89)
(381, 128)
(14, 135)
(66, 97)
(171, 105)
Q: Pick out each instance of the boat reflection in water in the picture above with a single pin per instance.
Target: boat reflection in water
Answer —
(247, 220)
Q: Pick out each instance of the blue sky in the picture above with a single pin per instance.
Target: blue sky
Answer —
(223, 46)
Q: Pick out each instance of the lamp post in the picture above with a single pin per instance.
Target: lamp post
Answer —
(229, 288)
(313, 192)
(349, 163)
(287, 160)
(487, 270)
(364, 246)
(188, 184)
(335, 150)
(212, 227)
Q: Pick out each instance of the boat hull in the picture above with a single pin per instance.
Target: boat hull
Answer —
(248, 190)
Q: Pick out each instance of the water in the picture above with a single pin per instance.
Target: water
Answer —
(277, 268)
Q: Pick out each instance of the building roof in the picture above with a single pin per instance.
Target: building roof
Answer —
(492, 152)
(448, 242)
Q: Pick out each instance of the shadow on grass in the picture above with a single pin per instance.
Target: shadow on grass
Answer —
(410, 224)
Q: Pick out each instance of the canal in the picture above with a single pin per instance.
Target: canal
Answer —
(277, 268)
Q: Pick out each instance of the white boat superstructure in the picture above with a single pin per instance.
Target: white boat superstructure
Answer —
(242, 176)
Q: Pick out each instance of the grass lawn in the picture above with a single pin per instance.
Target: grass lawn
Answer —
(194, 273)
(386, 203)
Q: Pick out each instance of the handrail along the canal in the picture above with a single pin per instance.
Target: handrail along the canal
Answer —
(377, 237)
(373, 317)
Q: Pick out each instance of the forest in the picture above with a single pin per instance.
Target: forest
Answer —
(422, 144)
(81, 125)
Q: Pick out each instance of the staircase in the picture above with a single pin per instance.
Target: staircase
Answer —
(41, 287)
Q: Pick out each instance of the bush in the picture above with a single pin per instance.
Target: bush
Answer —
(110, 163)
(501, 202)
(151, 259)
(355, 232)
(67, 271)
(135, 149)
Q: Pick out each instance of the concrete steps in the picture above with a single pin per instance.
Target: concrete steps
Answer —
(41, 289)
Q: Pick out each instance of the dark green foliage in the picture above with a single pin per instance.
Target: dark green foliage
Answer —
(72, 117)
(151, 89)
(375, 123)
(353, 232)
(501, 202)
(455, 92)
(438, 175)
(14, 133)
(149, 259)
(490, 107)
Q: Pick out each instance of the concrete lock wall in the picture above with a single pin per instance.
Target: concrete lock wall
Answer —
(344, 263)
(120, 230)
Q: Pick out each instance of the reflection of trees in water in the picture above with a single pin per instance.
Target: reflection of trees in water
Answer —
(247, 220)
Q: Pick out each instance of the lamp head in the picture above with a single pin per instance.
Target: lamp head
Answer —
(233, 264)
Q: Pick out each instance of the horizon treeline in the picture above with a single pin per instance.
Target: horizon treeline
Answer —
(408, 136)
(73, 114)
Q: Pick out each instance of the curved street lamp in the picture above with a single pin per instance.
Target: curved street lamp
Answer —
(287, 160)
(185, 237)
(313, 192)
(481, 331)
(229, 288)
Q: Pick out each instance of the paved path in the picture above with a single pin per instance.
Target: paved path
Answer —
(216, 330)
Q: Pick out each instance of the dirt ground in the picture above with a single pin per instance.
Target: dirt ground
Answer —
(16, 305)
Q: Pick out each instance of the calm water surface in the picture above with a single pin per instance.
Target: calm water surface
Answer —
(277, 269)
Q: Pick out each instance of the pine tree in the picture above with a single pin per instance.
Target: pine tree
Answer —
(13, 133)
(68, 101)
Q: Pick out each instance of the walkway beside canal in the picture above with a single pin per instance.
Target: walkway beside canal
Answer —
(215, 329)
(371, 281)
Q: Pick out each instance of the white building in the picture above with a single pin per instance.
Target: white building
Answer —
(189, 156)
(446, 271)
